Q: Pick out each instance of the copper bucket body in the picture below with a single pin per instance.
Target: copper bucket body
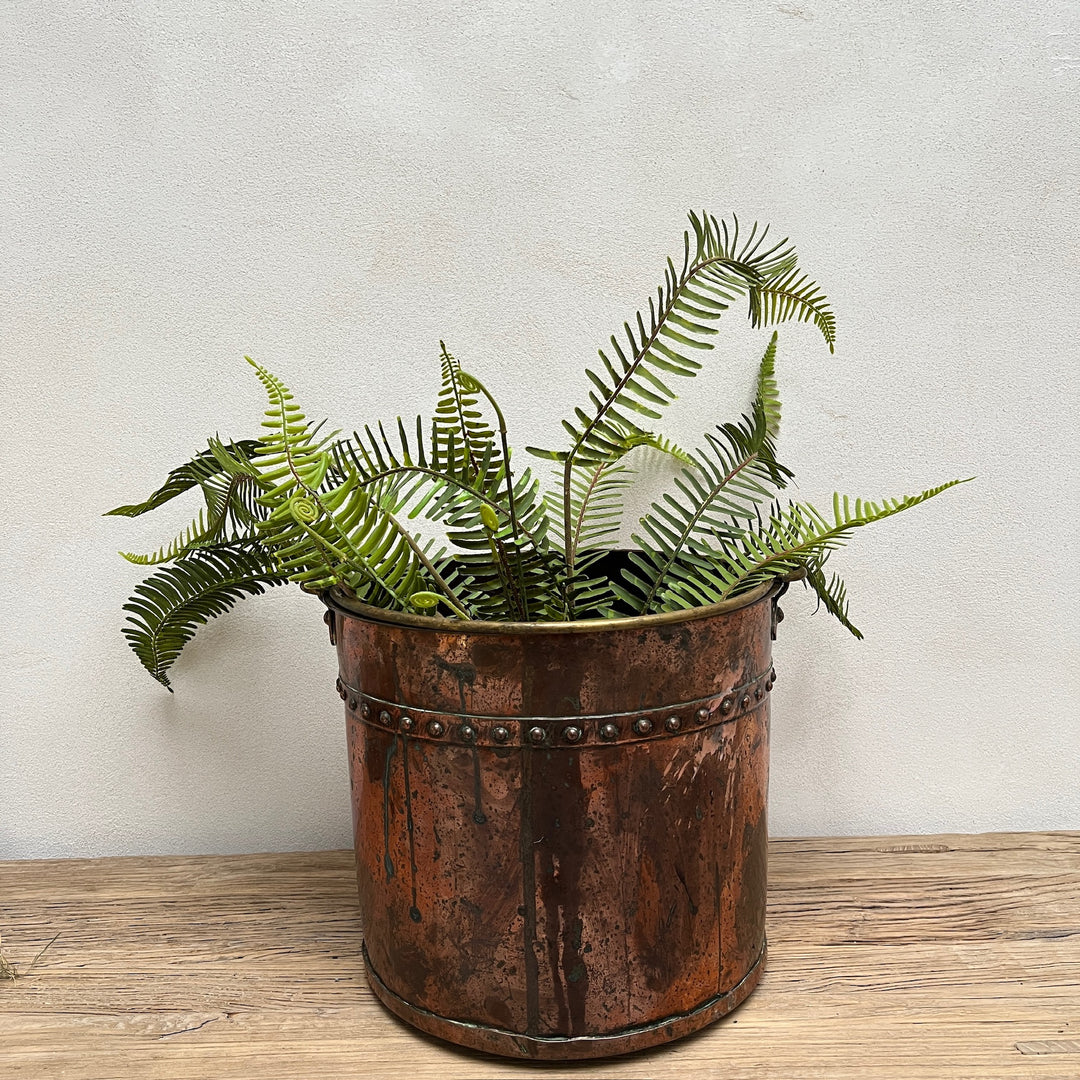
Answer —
(560, 828)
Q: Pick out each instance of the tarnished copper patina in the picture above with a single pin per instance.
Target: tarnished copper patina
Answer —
(560, 828)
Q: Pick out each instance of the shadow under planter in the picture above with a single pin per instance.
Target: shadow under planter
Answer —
(560, 827)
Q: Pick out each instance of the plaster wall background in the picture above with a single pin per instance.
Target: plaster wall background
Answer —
(332, 187)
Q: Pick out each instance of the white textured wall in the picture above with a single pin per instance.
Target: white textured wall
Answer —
(332, 187)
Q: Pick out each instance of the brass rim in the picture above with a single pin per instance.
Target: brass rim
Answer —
(334, 598)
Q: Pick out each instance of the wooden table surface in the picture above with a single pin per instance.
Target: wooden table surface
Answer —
(906, 958)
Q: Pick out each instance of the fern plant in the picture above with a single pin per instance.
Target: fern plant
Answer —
(333, 511)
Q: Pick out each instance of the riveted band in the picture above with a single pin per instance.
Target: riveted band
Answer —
(551, 732)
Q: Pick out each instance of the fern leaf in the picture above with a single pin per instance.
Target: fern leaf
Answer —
(465, 474)
(437, 478)
(232, 510)
(200, 468)
(597, 489)
(170, 605)
(458, 419)
(735, 471)
(633, 377)
(792, 296)
(831, 593)
(768, 392)
(346, 533)
(792, 539)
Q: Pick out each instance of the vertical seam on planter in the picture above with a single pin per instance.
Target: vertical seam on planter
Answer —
(528, 896)
(388, 760)
(414, 911)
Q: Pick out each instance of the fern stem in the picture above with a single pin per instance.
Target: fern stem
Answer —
(506, 574)
(428, 565)
(595, 479)
(459, 405)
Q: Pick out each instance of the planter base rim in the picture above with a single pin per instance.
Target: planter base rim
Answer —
(512, 1044)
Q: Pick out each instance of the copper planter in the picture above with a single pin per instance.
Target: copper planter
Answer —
(560, 828)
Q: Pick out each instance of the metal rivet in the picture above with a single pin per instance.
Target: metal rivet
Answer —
(758, 693)
(572, 734)
(609, 731)
(643, 725)
(701, 715)
(744, 701)
(407, 723)
(537, 735)
(384, 717)
(352, 703)
(725, 705)
(365, 711)
(435, 728)
(673, 723)
(467, 732)
(500, 733)
(772, 677)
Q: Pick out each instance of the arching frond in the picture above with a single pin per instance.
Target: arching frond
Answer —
(463, 474)
(597, 488)
(767, 397)
(459, 422)
(634, 377)
(171, 604)
(202, 467)
(831, 593)
(792, 295)
(232, 509)
(792, 539)
(346, 534)
(736, 470)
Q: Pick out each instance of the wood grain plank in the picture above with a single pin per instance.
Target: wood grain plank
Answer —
(904, 958)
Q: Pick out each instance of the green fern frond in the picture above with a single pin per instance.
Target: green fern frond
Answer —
(792, 295)
(290, 457)
(791, 540)
(193, 535)
(348, 533)
(232, 509)
(454, 489)
(767, 397)
(460, 422)
(658, 442)
(464, 474)
(171, 604)
(831, 593)
(597, 505)
(596, 497)
(310, 531)
(436, 476)
(200, 468)
(680, 317)
(736, 470)
(721, 266)
(348, 537)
